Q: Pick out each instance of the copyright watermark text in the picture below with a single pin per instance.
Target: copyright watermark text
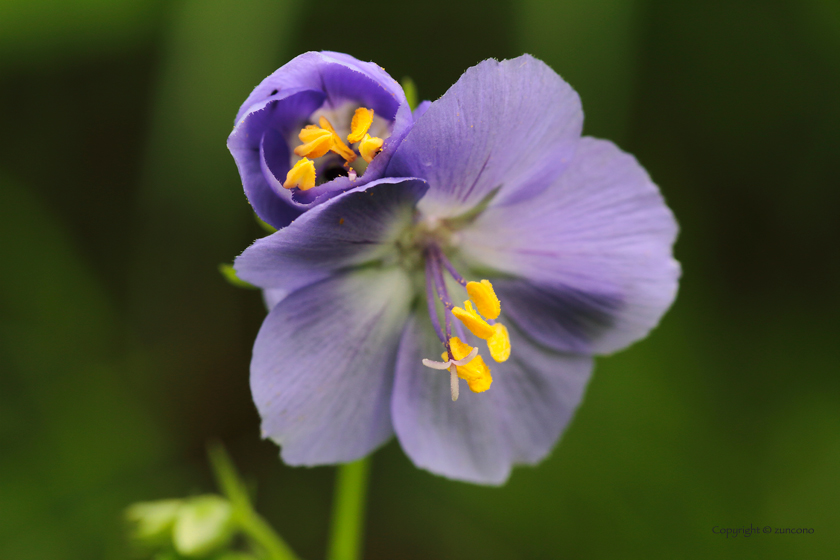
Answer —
(756, 530)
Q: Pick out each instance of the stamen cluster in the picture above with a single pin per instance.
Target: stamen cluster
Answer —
(322, 138)
(462, 360)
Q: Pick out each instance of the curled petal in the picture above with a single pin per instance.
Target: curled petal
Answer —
(282, 103)
(263, 184)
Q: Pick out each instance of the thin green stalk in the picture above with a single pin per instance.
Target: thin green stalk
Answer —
(346, 536)
(263, 535)
(252, 525)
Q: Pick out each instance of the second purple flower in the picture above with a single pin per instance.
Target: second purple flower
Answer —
(323, 123)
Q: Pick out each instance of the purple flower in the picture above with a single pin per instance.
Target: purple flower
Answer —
(504, 202)
(321, 124)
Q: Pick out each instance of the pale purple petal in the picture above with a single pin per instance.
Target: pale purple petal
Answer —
(421, 108)
(359, 226)
(512, 124)
(323, 366)
(593, 253)
(273, 296)
(481, 436)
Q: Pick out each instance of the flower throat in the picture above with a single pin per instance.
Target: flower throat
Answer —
(318, 140)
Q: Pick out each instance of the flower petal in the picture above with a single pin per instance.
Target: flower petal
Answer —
(273, 296)
(322, 370)
(482, 435)
(421, 108)
(359, 226)
(511, 124)
(592, 252)
(340, 76)
(275, 116)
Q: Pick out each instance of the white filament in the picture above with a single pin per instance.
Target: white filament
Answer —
(453, 382)
(446, 365)
(452, 366)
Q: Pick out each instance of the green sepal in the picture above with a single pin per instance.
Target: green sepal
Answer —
(410, 90)
(266, 226)
(230, 275)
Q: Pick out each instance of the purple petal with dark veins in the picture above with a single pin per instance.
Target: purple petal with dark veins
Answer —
(357, 227)
(323, 366)
(512, 124)
(481, 436)
(590, 257)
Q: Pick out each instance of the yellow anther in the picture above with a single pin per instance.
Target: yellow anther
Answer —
(485, 298)
(302, 175)
(338, 146)
(476, 373)
(478, 326)
(499, 343)
(362, 119)
(316, 142)
(369, 147)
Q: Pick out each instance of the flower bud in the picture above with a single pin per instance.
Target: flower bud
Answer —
(153, 521)
(204, 524)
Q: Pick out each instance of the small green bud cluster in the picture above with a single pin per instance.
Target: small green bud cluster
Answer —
(198, 527)
(209, 526)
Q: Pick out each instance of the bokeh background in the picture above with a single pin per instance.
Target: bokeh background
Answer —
(123, 351)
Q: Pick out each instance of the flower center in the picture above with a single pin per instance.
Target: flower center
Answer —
(478, 316)
(324, 145)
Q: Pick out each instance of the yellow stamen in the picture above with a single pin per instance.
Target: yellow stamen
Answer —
(338, 146)
(473, 322)
(316, 142)
(499, 343)
(485, 298)
(362, 119)
(476, 373)
(369, 147)
(302, 175)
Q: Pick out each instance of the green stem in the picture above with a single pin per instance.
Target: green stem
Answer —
(260, 533)
(349, 511)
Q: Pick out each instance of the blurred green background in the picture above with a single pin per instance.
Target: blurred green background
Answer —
(123, 351)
